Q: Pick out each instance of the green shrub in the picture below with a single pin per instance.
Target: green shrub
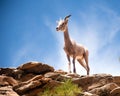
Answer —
(65, 89)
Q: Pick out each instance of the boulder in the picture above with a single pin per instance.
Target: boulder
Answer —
(7, 91)
(31, 84)
(107, 77)
(62, 78)
(36, 68)
(115, 92)
(26, 77)
(33, 78)
(6, 80)
(39, 90)
(83, 82)
(72, 75)
(6, 71)
(15, 73)
(104, 90)
(100, 83)
(52, 84)
(102, 75)
(27, 86)
(52, 75)
(116, 79)
(60, 72)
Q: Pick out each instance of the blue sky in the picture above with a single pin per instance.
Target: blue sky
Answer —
(27, 32)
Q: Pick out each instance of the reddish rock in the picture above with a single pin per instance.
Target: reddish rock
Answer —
(104, 90)
(52, 84)
(28, 86)
(31, 84)
(115, 92)
(62, 78)
(6, 80)
(107, 77)
(15, 73)
(45, 80)
(6, 71)
(116, 79)
(27, 77)
(32, 78)
(7, 91)
(22, 88)
(72, 75)
(52, 75)
(36, 68)
(83, 82)
(36, 91)
(60, 72)
(100, 83)
(88, 94)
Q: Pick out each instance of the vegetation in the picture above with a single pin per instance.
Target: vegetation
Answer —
(65, 89)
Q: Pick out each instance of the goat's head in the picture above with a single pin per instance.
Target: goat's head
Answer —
(62, 24)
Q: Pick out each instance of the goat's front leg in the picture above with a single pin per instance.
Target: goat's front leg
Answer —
(69, 63)
(74, 69)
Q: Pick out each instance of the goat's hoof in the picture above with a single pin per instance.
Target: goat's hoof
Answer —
(88, 73)
(70, 72)
(75, 72)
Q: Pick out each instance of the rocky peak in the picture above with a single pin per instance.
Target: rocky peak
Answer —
(32, 78)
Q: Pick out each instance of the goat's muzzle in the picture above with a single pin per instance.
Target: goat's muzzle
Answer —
(57, 29)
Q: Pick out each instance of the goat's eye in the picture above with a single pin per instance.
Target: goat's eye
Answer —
(62, 24)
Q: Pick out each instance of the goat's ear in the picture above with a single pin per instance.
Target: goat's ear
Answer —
(66, 18)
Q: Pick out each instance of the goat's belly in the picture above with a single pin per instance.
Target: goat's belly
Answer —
(79, 57)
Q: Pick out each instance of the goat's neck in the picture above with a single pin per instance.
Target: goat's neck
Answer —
(67, 38)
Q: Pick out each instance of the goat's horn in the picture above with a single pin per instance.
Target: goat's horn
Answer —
(67, 17)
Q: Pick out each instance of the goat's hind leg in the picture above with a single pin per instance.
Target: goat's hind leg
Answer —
(82, 63)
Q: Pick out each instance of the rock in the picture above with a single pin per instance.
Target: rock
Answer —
(100, 83)
(34, 92)
(107, 77)
(6, 80)
(63, 78)
(72, 75)
(39, 90)
(22, 88)
(89, 94)
(57, 76)
(116, 79)
(15, 73)
(6, 71)
(115, 92)
(27, 77)
(28, 86)
(45, 80)
(83, 82)
(60, 72)
(36, 81)
(52, 84)
(36, 68)
(7, 91)
(37, 77)
(104, 90)
(33, 78)
(52, 75)
(102, 75)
